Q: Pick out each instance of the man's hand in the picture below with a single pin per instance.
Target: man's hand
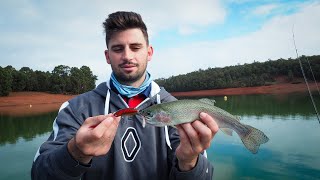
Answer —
(195, 137)
(94, 138)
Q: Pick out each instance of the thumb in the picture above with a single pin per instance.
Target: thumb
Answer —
(104, 125)
(94, 121)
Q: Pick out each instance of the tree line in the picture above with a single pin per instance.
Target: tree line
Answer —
(247, 75)
(62, 80)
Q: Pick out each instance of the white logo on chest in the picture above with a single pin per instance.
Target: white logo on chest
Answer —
(130, 144)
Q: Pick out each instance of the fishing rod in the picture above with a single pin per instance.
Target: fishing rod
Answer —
(304, 76)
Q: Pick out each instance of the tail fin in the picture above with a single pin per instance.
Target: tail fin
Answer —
(253, 139)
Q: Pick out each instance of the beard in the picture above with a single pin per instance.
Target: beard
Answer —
(128, 78)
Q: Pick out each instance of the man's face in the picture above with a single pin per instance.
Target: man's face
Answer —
(128, 55)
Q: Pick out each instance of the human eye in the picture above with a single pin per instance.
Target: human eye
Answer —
(117, 49)
(135, 47)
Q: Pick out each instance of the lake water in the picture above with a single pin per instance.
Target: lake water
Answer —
(289, 121)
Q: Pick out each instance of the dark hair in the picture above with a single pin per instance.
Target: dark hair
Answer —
(120, 21)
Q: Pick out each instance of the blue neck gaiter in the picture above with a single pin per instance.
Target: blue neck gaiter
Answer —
(131, 91)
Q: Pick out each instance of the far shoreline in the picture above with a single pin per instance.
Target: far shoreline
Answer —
(34, 103)
(283, 88)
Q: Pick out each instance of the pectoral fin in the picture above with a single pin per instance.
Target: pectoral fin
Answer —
(144, 122)
(227, 131)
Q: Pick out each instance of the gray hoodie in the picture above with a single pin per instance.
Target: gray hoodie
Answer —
(136, 153)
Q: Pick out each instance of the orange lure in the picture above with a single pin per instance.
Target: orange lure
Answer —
(126, 111)
(123, 112)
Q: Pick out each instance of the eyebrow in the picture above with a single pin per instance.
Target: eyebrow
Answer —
(116, 46)
(120, 45)
(136, 44)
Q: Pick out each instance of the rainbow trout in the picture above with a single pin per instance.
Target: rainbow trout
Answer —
(184, 111)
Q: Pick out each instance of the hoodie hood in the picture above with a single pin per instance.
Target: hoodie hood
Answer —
(156, 95)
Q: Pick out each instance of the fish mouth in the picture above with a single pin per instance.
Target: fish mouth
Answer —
(144, 118)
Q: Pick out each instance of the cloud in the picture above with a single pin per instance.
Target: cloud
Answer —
(42, 35)
(272, 41)
(183, 15)
(265, 9)
(186, 30)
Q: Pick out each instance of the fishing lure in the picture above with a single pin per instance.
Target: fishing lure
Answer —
(122, 112)
(126, 112)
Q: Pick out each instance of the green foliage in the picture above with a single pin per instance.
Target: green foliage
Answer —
(82, 79)
(247, 75)
(290, 76)
(62, 79)
(5, 81)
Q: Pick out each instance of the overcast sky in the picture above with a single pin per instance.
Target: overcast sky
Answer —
(186, 35)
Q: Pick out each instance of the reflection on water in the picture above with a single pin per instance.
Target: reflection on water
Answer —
(272, 105)
(288, 120)
(13, 128)
(291, 153)
(17, 158)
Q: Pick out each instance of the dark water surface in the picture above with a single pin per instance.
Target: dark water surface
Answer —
(20, 137)
(288, 120)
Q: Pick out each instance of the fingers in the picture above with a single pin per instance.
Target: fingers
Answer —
(95, 127)
(108, 123)
(198, 133)
(96, 135)
(204, 133)
(210, 122)
(94, 121)
(109, 127)
(184, 139)
(192, 137)
(100, 129)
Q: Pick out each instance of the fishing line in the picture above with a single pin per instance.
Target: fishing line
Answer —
(304, 76)
(315, 81)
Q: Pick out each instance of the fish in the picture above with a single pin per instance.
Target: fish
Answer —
(188, 110)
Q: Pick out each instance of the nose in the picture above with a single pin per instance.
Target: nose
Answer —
(127, 54)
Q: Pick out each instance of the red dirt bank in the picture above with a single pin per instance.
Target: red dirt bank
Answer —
(283, 88)
(30, 103)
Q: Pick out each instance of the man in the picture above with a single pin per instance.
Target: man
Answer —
(89, 142)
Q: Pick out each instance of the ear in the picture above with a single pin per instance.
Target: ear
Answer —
(150, 52)
(106, 54)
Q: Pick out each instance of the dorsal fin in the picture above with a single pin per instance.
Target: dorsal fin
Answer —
(208, 101)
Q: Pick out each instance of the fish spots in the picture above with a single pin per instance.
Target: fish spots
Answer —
(163, 117)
